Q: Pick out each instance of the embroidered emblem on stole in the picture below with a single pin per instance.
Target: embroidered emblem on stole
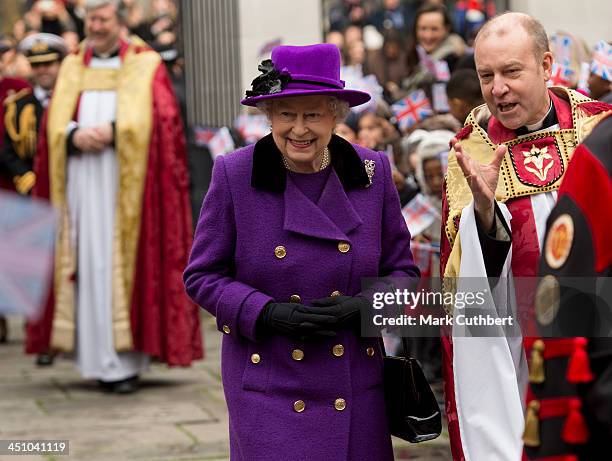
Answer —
(537, 162)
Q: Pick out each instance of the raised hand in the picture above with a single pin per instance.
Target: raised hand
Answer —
(482, 179)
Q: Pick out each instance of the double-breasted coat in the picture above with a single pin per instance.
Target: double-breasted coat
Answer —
(260, 239)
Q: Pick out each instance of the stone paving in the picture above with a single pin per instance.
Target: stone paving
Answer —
(178, 415)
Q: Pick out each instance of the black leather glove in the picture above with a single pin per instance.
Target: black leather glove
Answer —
(296, 321)
(347, 309)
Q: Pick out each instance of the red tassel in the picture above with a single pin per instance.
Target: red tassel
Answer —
(578, 367)
(575, 430)
(594, 107)
(464, 133)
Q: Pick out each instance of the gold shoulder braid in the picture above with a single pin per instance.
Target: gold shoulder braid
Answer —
(23, 134)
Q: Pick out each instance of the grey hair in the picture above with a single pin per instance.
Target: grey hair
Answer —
(120, 7)
(338, 107)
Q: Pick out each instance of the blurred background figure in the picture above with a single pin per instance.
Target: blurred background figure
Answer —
(463, 92)
(24, 109)
(571, 55)
(431, 155)
(600, 77)
(433, 49)
(51, 16)
(393, 15)
(23, 114)
(9, 85)
(470, 15)
(348, 128)
(335, 37)
(345, 13)
(389, 63)
(12, 63)
(159, 27)
(116, 290)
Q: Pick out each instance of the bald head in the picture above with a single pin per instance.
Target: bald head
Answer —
(501, 25)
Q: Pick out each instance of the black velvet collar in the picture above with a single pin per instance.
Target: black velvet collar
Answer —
(269, 172)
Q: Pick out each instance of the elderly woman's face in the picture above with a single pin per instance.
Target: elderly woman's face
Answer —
(302, 127)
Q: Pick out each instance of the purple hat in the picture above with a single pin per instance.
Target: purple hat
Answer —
(300, 71)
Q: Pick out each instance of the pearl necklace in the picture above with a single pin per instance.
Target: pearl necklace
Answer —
(324, 163)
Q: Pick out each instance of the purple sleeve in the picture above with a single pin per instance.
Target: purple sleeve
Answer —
(209, 276)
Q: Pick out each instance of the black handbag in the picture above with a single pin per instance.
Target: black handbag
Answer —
(413, 413)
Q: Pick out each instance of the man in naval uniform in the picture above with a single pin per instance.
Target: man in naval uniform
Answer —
(8, 87)
(114, 165)
(23, 110)
(503, 173)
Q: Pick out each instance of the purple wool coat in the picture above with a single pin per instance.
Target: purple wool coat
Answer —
(236, 267)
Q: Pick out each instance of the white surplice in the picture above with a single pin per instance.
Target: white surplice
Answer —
(491, 373)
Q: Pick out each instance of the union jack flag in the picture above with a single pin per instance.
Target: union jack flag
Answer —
(561, 48)
(412, 109)
(419, 214)
(561, 75)
(203, 135)
(27, 236)
(221, 143)
(583, 80)
(602, 61)
(252, 127)
(424, 255)
(442, 70)
(426, 61)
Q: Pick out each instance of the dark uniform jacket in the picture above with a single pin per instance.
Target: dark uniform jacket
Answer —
(570, 405)
(22, 115)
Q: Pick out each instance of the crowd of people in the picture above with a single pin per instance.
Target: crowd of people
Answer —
(442, 155)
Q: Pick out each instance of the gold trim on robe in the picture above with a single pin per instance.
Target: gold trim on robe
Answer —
(480, 147)
(134, 122)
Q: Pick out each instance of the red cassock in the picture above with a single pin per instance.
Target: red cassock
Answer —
(164, 322)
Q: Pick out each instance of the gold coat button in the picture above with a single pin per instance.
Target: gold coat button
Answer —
(344, 247)
(295, 299)
(255, 358)
(340, 404)
(336, 293)
(297, 354)
(280, 252)
(299, 406)
(226, 329)
(338, 350)
(370, 351)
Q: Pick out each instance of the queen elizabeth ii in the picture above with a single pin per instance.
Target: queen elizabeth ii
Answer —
(288, 229)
